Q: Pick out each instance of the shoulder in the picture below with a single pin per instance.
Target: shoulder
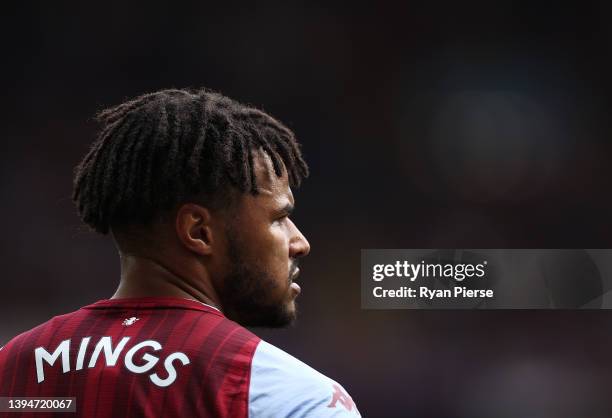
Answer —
(15, 355)
(33, 333)
(283, 386)
(28, 338)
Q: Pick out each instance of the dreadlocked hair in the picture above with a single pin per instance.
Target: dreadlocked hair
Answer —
(164, 148)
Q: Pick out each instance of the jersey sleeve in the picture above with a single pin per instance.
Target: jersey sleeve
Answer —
(281, 386)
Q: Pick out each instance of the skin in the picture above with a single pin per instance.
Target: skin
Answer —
(242, 261)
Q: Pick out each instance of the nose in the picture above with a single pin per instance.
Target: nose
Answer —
(298, 245)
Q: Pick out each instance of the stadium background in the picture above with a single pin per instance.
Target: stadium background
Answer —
(447, 125)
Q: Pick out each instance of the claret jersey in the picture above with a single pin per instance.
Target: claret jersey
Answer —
(170, 357)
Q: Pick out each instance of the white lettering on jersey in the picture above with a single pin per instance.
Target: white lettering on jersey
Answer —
(170, 369)
(151, 361)
(81, 355)
(111, 356)
(41, 354)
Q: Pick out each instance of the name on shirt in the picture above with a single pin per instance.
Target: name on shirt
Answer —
(138, 359)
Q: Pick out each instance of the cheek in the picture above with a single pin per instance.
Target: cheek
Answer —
(265, 244)
(272, 236)
(280, 241)
(275, 250)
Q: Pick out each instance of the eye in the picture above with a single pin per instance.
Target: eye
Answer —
(283, 214)
(282, 218)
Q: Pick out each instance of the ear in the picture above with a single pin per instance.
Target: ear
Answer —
(193, 228)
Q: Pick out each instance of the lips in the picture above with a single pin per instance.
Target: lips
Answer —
(294, 286)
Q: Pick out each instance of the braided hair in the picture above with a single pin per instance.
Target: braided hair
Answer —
(160, 149)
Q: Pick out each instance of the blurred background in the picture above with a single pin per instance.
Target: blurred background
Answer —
(438, 125)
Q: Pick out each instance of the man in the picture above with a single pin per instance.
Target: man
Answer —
(195, 190)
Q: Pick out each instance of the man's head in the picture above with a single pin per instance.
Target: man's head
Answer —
(212, 179)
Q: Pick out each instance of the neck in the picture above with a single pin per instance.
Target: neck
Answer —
(148, 277)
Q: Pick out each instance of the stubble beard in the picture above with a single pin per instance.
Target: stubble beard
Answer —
(245, 296)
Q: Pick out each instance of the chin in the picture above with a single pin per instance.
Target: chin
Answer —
(278, 316)
(291, 313)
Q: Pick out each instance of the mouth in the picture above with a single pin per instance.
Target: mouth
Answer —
(293, 285)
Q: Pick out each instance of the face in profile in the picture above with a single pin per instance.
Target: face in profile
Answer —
(263, 248)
